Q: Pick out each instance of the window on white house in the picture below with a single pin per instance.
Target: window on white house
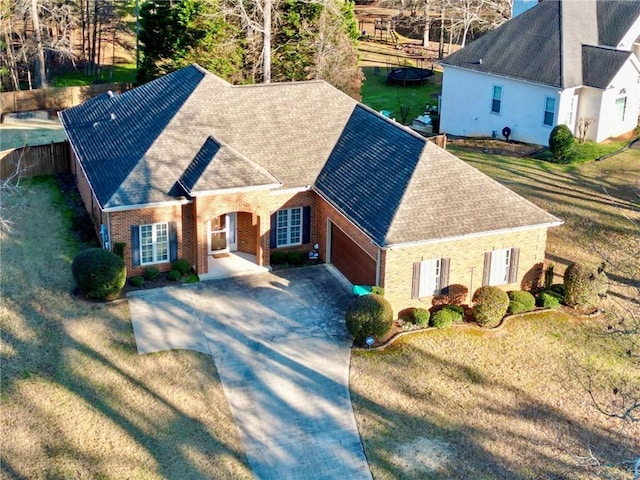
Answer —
(496, 101)
(154, 243)
(621, 107)
(549, 110)
(430, 277)
(501, 266)
(289, 227)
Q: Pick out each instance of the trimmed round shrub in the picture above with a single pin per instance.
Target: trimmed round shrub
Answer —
(583, 284)
(416, 316)
(182, 265)
(150, 273)
(99, 273)
(490, 306)
(368, 315)
(561, 142)
(278, 257)
(548, 299)
(174, 275)
(295, 258)
(446, 316)
(521, 301)
(137, 281)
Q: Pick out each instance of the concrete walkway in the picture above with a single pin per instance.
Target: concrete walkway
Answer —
(281, 349)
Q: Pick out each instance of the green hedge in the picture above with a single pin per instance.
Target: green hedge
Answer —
(150, 273)
(99, 273)
(490, 306)
(416, 316)
(174, 275)
(295, 258)
(447, 316)
(181, 265)
(547, 299)
(368, 315)
(583, 285)
(278, 257)
(521, 301)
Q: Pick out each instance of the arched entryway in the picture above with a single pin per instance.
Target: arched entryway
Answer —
(233, 244)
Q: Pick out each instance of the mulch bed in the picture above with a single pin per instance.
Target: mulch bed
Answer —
(497, 147)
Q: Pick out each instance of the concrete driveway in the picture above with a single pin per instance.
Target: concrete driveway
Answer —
(282, 352)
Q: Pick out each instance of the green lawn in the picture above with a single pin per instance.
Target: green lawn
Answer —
(123, 73)
(586, 152)
(380, 96)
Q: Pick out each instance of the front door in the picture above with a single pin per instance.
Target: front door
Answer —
(222, 234)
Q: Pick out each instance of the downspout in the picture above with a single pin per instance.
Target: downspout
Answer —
(378, 263)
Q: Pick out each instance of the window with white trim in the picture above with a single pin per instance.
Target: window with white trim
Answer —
(154, 243)
(289, 227)
(500, 262)
(621, 107)
(496, 99)
(549, 110)
(429, 278)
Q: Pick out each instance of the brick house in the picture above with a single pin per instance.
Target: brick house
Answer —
(189, 166)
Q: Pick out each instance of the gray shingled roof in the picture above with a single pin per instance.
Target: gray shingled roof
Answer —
(600, 65)
(615, 18)
(399, 188)
(534, 46)
(191, 133)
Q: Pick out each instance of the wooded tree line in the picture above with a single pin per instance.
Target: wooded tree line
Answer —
(40, 35)
(252, 41)
(305, 39)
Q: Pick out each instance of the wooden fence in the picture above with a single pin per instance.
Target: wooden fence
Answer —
(39, 160)
(55, 98)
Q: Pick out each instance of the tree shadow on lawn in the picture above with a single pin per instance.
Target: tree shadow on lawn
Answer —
(77, 398)
(538, 440)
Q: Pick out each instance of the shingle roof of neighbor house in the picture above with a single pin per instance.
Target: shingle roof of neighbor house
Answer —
(547, 43)
(191, 133)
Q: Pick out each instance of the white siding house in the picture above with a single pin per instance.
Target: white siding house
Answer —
(562, 61)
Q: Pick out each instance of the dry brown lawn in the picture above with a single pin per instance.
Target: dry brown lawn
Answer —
(511, 405)
(78, 402)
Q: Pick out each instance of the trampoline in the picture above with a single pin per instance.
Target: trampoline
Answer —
(409, 76)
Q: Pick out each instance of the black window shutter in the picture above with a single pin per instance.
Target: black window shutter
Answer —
(486, 273)
(273, 239)
(513, 265)
(135, 245)
(415, 285)
(306, 224)
(173, 241)
(444, 274)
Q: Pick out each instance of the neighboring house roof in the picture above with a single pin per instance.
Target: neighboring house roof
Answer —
(166, 142)
(544, 44)
(600, 65)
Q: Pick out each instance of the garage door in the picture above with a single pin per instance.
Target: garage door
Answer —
(351, 260)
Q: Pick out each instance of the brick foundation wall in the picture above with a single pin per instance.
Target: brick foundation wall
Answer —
(467, 264)
(247, 232)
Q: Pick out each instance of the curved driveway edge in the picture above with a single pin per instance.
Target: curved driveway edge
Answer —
(282, 352)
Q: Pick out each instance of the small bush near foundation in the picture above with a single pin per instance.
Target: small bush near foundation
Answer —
(521, 301)
(151, 273)
(416, 316)
(558, 290)
(181, 265)
(561, 142)
(446, 316)
(548, 299)
(174, 275)
(99, 273)
(192, 278)
(295, 258)
(378, 290)
(490, 306)
(583, 285)
(368, 315)
(278, 257)
(136, 281)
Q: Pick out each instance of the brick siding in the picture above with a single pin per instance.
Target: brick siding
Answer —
(467, 264)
